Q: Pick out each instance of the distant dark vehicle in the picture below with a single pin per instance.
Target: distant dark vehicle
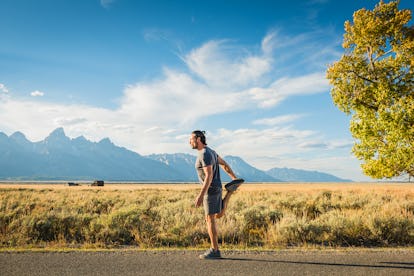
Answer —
(98, 183)
(72, 184)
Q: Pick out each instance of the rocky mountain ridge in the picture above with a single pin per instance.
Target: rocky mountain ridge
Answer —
(59, 157)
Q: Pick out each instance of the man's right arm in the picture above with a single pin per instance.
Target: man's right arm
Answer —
(226, 168)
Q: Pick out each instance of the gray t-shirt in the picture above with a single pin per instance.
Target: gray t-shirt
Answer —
(205, 158)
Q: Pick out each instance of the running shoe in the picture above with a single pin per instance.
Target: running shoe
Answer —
(211, 254)
(234, 184)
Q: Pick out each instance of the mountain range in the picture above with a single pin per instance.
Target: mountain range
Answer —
(59, 157)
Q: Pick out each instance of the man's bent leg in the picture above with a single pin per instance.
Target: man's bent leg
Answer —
(225, 204)
(212, 230)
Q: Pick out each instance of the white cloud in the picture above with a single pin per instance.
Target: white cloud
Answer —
(37, 93)
(132, 130)
(61, 121)
(275, 141)
(285, 87)
(3, 88)
(278, 120)
(176, 99)
(307, 84)
(223, 65)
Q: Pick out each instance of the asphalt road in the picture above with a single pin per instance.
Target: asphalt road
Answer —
(365, 262)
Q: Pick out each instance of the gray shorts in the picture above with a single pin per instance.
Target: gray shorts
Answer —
(212, 202)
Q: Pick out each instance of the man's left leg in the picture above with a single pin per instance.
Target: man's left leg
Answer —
(213, 252)
(212, 230)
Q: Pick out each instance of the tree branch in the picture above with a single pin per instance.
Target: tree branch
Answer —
(386, 53)
(361, 77)
(367, 105)
(370, 57)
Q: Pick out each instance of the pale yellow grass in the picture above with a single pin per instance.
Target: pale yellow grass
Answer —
(153, 215)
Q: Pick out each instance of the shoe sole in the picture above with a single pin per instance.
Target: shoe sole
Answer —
(209, 258)
(234, 183)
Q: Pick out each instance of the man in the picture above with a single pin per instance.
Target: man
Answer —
(208, 169)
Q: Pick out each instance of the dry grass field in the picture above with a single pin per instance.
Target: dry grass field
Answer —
(162, 215)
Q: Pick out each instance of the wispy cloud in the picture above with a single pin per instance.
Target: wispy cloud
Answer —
(156, 34)
(313, 2)
(313, 145)
(344, 166)
(309, 51)
(269, 43)
(106, 3)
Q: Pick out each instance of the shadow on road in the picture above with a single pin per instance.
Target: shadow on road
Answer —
(397, 263)
(391, 264)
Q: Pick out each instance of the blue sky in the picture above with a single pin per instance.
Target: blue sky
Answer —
(147, 73)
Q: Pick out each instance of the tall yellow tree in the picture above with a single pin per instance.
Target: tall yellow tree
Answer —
(374, 82)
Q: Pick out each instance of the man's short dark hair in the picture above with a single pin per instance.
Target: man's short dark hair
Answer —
(201, 134)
